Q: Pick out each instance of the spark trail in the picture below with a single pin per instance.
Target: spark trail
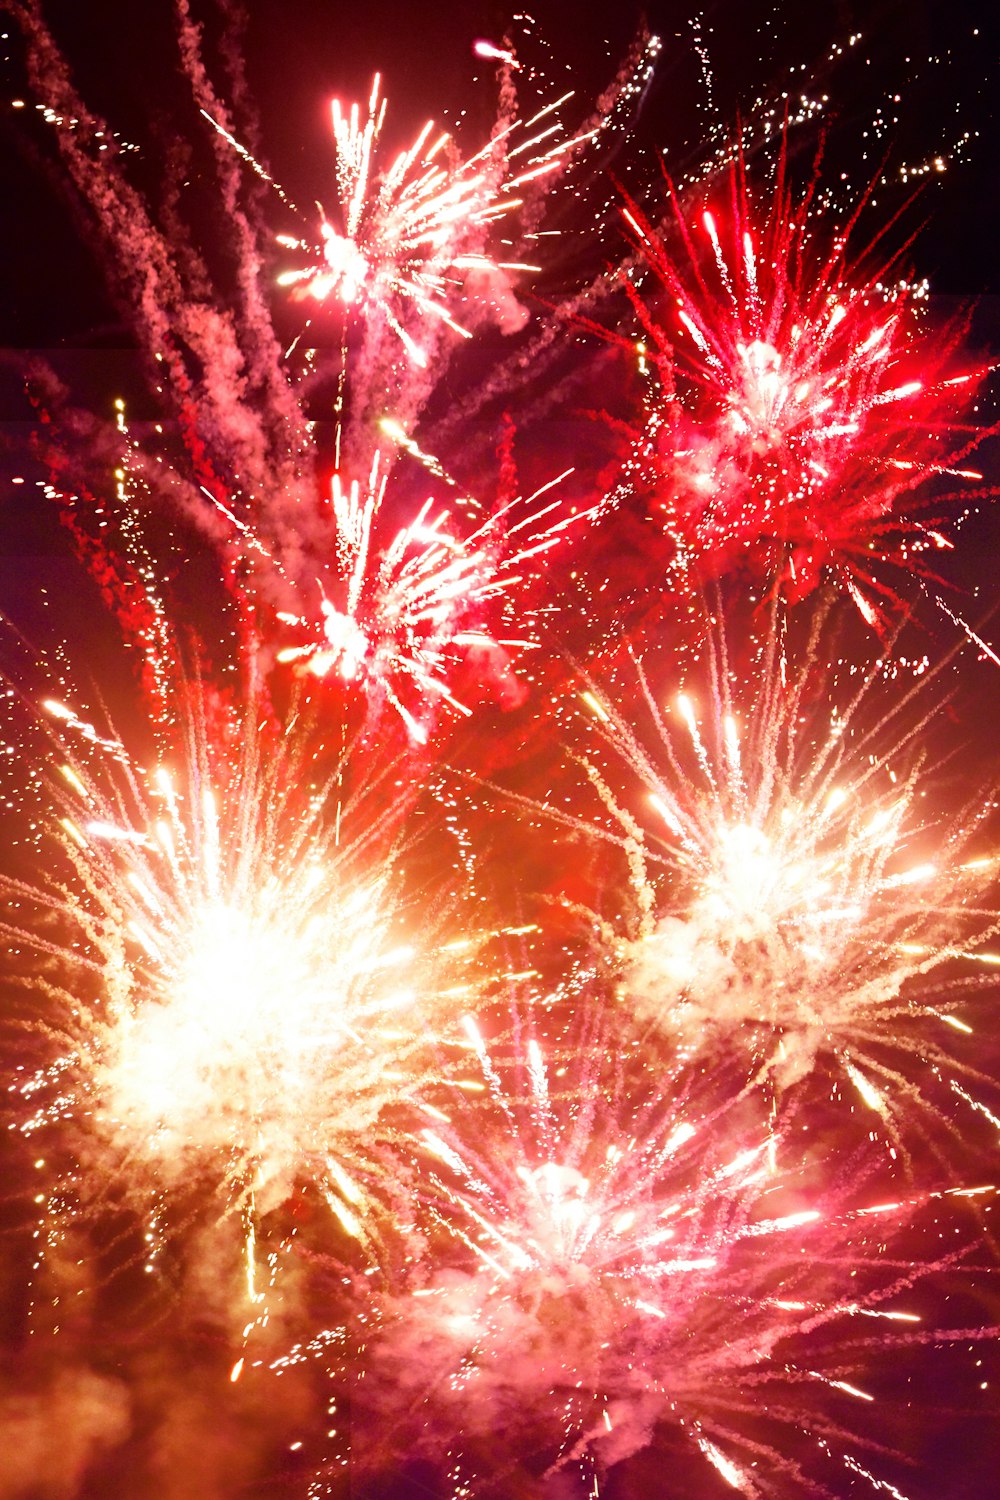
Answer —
(627, 1226)
(626, 1268)
(413, 237)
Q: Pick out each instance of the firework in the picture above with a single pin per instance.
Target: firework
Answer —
(261, 1051)
(404, 613)
(412, 237)
(247, 1000)
(626, 1268)
(794, 896)
(804, 402)
(239, 456)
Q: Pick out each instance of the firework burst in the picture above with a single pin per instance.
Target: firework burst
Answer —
(247, 1001)
(406, 612)
(629, 1268)
(410, 236)
(794, 896)
(804, 402)
(607, 1225)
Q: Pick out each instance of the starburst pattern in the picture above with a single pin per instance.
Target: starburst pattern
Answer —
(789, 896)
(255, 980)
(803, 402)
(408, 609)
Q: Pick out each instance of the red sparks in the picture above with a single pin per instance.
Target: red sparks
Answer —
(804, 400)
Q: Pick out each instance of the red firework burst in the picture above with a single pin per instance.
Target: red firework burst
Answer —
(804, 401)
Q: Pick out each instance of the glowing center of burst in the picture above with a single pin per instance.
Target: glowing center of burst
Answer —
(559, 1221)
(240, 1021)
(253, 1018)
(348, 642)
(767, 404)
(241, 980)
(348, 267)
(748, 876)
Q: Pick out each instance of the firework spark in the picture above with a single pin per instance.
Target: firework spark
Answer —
(625, 1222)
(629, 1269)
(408, 237)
